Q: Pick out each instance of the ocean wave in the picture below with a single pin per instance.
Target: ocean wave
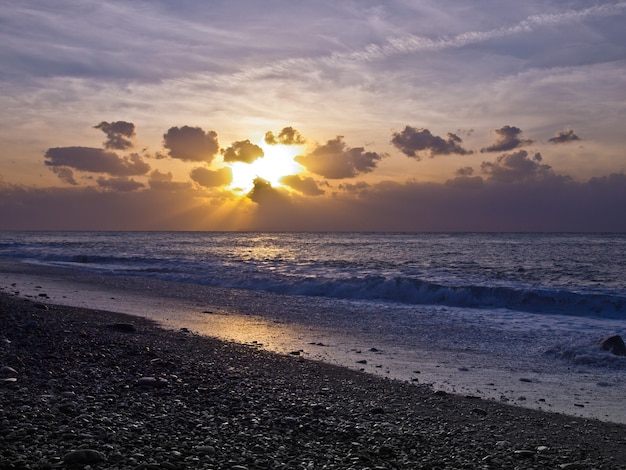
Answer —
(322, 281)
(587, 354)
(416, 291)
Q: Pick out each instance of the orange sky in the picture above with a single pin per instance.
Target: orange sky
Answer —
(328, 116)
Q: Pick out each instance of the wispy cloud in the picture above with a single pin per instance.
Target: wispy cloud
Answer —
(412, 43)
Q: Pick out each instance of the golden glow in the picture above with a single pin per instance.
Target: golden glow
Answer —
(276, 163)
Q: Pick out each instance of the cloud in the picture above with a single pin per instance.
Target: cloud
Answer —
(191, 144)
(95, 160)
(517, 167)
(287, 136)
(411, 141)
(165, 182)
(242, 151)
(508, 139)
(264, 193)
(410, 43)
(64, 174)
(563, 137)
(335, 161)
(359, 186)
(465, 171)
(119, 134)
(119, 184)
(212, 178)
(306, 185)
(548, 204)
(466, 182)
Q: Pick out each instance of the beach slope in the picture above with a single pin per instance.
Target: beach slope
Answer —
(82, 387)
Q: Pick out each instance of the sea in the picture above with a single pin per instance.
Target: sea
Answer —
(514, 317)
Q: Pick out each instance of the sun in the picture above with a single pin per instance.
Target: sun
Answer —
(277, 161)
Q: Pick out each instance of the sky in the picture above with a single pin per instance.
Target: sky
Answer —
(283, 115)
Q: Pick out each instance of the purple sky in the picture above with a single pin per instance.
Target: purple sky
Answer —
(346, 115)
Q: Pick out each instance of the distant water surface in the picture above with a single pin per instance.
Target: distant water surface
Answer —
(571, 274)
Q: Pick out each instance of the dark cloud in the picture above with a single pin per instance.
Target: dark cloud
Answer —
(242, 151)
(264, 193)
(508, 138)
(64, 174)
(191, 144)
(165, 182)
(212, 178)
(96, 161)
(359, 186)
(548, 204)
(615, 182)
(466, 182)
(119, 134)
(411, 141)
(563, 137)
(306, 185)
(517, 167)
(335, 161)
(119, 184)
(287, 136)
(465, 171)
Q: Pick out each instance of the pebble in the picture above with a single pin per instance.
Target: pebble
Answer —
(236, 408)
(205, 450)
(123, 327)
(152, 382)
(84, 456)
(8, 371)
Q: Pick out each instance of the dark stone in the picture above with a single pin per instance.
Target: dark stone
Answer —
(8, 371)
(152, 382)
(83, 456)
(123, 327)
(615, 344)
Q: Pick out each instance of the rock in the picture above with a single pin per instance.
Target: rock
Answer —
(83, 456)
(123, 327)
(152, 382)
(524, 454)
(206, 450)
(615, 344)
(362, 361)
(7, 371)
(479, 411)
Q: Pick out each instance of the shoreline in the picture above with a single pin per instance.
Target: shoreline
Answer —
(231, 315)
(148, 397)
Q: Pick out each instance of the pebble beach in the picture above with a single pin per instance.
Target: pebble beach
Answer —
(81, 388)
